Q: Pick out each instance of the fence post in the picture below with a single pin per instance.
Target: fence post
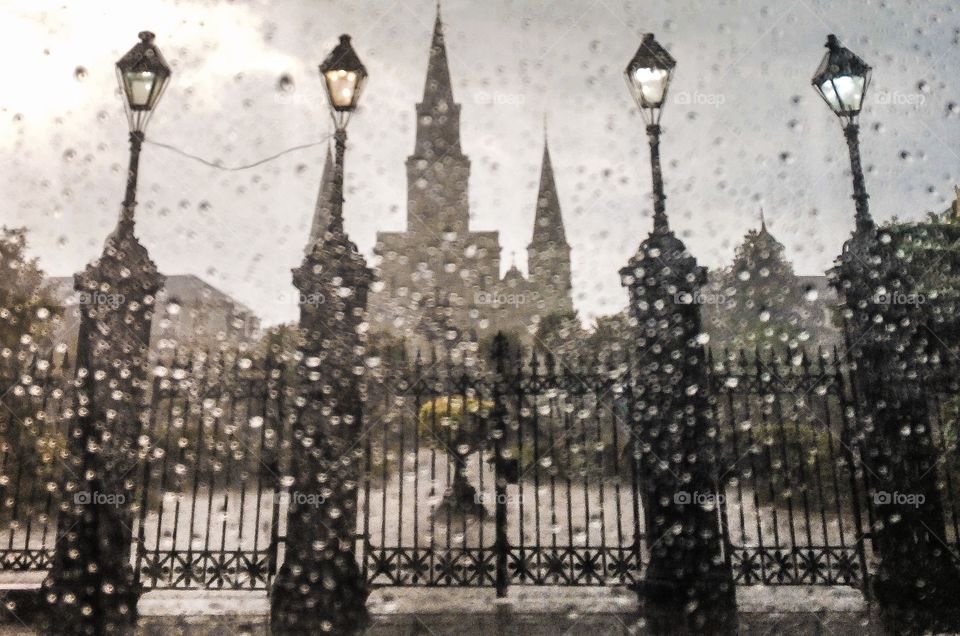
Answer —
(688, 585)
(319, 588)
(501, 545)
(917, 580)
(91, 587)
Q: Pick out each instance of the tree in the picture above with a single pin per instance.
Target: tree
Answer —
(512, 351)
(27, 307)
(756, 302)
(560, 334)
(609, 337)
(32, 447)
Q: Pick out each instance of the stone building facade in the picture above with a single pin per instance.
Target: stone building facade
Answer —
(190, 313)
(439, 279)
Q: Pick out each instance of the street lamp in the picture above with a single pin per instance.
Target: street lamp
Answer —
(93, 589)
(143, 75)
(344, 76)
(320, 587)
(648, 75)
(842, 80)
(687, 584)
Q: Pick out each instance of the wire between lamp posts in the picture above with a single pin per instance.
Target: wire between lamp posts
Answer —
(241, 167)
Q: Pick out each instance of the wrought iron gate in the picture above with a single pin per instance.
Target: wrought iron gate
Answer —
(212, 496)
(526, 476)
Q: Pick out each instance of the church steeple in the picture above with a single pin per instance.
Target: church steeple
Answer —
(438, 116)
(548, 221)
(322, 210)
(438, 85)
(548, 254)
(437, 171)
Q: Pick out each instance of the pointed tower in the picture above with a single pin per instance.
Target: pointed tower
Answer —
(437, 171)
(548, 254)
(322, 211)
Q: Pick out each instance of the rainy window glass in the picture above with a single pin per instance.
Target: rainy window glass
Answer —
(638, 315)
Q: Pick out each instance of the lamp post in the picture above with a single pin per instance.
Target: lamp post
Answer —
(344, 77)
(91, 587)
(648, 75)
(320, 588)
(688, 584)
(842, 80)
(916, 582)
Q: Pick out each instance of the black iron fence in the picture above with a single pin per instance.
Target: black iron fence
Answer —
(35, 410)
(528, 476)
(477, 478)
(793, 498)
(210, 507)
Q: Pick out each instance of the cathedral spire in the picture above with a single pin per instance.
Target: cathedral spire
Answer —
(437, 171)
(438, 86)
(322, 211)
(548, 221)
(438, 116)
(548, 254)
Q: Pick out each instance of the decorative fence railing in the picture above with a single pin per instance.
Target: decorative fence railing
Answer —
(793, 505)
(559, 504)
(210, 510)
(35, 411)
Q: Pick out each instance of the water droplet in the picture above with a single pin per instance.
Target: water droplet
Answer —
(285, 84)
(80, 73)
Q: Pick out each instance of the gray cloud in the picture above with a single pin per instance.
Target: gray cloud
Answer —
(743, 130)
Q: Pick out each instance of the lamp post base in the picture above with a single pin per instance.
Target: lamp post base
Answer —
(329, 598)
(707, 605)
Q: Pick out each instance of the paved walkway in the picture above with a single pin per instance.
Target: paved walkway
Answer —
(551, 611)
(525, 612)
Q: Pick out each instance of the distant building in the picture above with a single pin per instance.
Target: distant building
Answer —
(189, 313)
(439, 280)
(759, 300)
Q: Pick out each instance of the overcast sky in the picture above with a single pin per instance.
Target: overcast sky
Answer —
(743, 130)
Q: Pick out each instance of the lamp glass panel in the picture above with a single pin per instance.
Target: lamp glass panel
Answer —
(342, 87)
(844, 93)
(652, 84)
(140, 87)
